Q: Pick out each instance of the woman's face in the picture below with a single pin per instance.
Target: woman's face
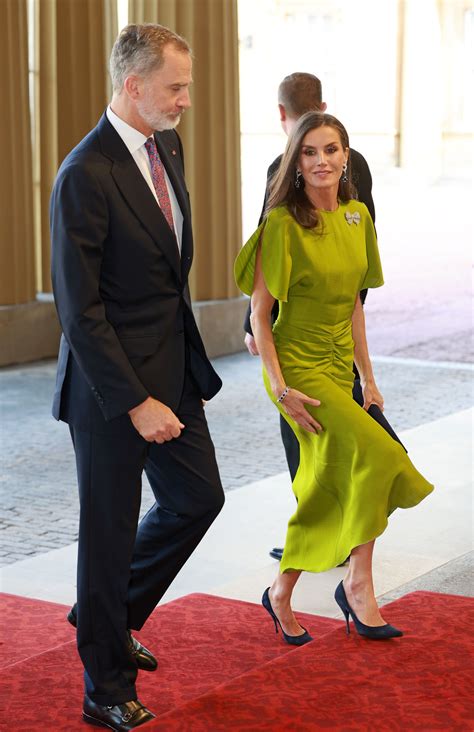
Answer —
(322, 158)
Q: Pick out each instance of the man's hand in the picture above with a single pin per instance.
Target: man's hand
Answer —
(155, 422)
(249, 341)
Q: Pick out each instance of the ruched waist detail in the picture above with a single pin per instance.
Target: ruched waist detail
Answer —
(322, 347)
(331, 333)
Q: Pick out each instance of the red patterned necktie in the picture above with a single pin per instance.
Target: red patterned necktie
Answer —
(158, 176)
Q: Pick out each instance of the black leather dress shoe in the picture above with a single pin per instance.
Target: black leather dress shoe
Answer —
(145, 660)
(277, 553)
(121, 717)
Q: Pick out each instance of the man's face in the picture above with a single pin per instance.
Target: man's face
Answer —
(164, 94)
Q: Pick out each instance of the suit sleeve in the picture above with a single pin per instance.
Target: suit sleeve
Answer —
(79, 226)
(362, 180)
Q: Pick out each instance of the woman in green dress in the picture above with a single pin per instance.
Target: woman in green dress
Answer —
(314, 253)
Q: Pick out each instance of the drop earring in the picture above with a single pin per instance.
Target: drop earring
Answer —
(298, 179)
(344, 178)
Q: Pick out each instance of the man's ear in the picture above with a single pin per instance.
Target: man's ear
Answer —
(323, 107)
(132, 86)
(282, 112)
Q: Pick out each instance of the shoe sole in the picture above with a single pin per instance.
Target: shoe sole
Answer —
(95, 722)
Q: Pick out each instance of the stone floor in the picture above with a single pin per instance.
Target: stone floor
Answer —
(39, 507)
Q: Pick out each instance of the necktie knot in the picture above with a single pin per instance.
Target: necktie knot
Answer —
(159, 181)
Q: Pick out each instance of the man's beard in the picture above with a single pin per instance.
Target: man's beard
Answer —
(156, 120)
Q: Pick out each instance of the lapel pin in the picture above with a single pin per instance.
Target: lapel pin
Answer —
(173, 152)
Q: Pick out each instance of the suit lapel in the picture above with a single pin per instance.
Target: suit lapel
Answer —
(136, 192)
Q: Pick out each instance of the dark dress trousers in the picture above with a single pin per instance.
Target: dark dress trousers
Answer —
(362, 180)
(122, 296)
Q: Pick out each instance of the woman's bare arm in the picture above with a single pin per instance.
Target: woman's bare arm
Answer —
(362, 358)
(262, 304)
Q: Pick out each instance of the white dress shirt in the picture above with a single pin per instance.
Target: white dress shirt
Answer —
(135, 142)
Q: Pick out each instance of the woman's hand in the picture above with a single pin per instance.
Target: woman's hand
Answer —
(294, 406)
(371, 395)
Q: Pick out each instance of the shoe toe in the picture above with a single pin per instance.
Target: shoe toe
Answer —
(146, 661)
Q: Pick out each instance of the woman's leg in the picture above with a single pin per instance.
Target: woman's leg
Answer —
(359, 585)
(280, 598)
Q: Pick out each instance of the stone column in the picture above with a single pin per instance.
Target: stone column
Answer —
(75, 38)
(17, 280)
(421, 103)
(211, 138)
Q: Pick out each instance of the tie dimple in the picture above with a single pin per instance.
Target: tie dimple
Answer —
(158, 177)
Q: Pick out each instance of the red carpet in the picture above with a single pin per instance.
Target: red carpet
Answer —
(29, 627)
(222, 668)
(421, 682)
(201, 642)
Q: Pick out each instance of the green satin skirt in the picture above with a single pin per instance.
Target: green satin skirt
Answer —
(353, 474)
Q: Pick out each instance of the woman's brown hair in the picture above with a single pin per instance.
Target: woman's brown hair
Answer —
(282, 185)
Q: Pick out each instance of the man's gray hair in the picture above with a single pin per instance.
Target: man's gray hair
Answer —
(139, 50)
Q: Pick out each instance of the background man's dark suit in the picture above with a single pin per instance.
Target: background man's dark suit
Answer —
(362, 180)
(122, 295)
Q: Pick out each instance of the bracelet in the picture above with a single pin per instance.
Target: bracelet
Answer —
(283, 394)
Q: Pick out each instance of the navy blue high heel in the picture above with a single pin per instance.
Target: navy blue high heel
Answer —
(374, 632)
(293, 640)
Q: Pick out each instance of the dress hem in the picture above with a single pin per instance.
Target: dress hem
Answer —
(344, 554)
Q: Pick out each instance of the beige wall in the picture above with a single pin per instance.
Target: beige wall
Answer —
(211, 134)
(69, 91)
(398, 73)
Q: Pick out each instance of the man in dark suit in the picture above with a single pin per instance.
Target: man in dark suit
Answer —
(299, 93)
(132, 370)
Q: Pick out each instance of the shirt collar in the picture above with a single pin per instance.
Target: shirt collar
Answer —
(132, 138)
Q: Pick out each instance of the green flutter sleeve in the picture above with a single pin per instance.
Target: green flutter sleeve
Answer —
(374, 276)
(273, 235)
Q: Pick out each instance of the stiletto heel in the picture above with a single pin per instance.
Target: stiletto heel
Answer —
(346, 615)
(374, 632)
(293, 640)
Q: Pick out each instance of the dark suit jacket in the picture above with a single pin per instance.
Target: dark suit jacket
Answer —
(362, 181)
(120, 286)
